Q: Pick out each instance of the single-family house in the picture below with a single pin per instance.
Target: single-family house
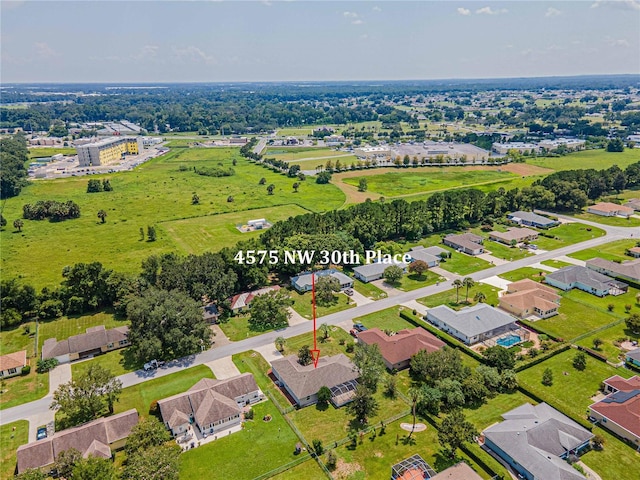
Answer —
(460, 471)
(374, 271)
(210, 313)
(468, 243)
(634, 252)
(619, 411)
(333, 140)
(95, 438)
(302, 282)
(531, 219)
(303, 382)
(212, 405)
(633, 203)
(430, 255)
(632, 357)
(11, 364)
(536, 440)
(397, 349)
(242, 301)
(527, 298)
(629, 270)
(95, 341)
(585, 279)
(607, 209)
(473, 324)
(513, 234)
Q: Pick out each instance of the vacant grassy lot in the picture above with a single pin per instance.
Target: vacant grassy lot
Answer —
(463, 264)
(556, 263)
(140, 396)
(213, 232)
(10, 440)
(237, 328)
(42, 152)
(615, 461)
(413, 281)
(597, 159)
(291, 154)
(157, 191)
(118, 362)
(490, 412)
(308, 470)
(368, 290)
(457, 302)
(505, 252)
(17, 339)
(302, 304)
(568, 234)
(329, 347)
(615, 221)
(572, 389)
(608, 251)
(409, 181)
(23, 389)
(524, 272)
(388, 319)
(273, 443)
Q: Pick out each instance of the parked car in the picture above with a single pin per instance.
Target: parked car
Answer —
(359, 327)
(42, 433)
(153, 364)
(349, 291)
(353, 332)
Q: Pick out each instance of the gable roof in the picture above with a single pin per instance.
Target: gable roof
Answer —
(528, 284)
(403, 345)
(305, 380)
(465, 240)
(634, 354)
(610, 208)
(531, 218)
(93, 339)
(304, 279)
(90, 438)
(377, 268)
(472, 321)
(629, 269)
(460, 471)
(244, 299)
(13, 360)
(623, 406)
(583, 275)
(536, 436)
(514, 233)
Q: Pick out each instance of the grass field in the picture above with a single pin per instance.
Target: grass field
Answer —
(490, 412)
(237, 328)
(608, 251)
(369, 290)
(23, 389)
(505, 252)
(521, 273)
(273, 443)
(157, 191)
(42, 152)
(413, 281)
(302, 304)
(597, 159)
(388, 319)
(17, 339)
(608, 336)
(463, 264)
(308, 470)
(614, 221)
(568, 234)
(556, 263)
(448, 297)
(331, 346)
(118, 362)
(615, 461)
(405, 182)
(12, 435)
(571, 393)
(291, 154)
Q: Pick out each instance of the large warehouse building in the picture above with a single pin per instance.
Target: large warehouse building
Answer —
(108, 151)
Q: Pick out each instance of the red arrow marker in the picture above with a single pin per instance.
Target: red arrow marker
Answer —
(315, 352)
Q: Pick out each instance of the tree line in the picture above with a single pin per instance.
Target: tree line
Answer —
(51, 209)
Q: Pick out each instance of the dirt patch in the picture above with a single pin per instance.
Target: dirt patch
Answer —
(378, 454)
(345, 470)
(525, 169)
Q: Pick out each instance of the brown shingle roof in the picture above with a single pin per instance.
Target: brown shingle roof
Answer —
(514, 233)
(528, 284)
(620, 383)
(13, 360)
(403, 345)
(98, 449)
(93, 339)
(460, 471)
(622, 407)
(305, 381)
(611, 207)
(212, 407)
(629, 269)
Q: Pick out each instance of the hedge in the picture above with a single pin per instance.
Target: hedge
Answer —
(592, 353)
(538, 329)
(542, 358)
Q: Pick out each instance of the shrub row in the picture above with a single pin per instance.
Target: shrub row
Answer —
(542, 358)
(592, 353)
(539, 329)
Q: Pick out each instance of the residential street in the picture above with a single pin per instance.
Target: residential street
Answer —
(37, 408)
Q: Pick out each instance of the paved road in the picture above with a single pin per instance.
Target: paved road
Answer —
(612, 233)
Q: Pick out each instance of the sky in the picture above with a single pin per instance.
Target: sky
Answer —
(253, 41)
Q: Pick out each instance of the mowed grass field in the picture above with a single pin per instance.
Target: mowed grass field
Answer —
(155, 192)
(289, 154)
(43, 152)
(408, 181)
(597, 159)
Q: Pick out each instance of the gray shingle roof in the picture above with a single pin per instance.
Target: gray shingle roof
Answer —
(531, 217)
(305, 381)
(376, 268)
(472, 321)
(536, 436)
(629, 269)
(635, 354)
(93, 339)
(304, 280)
(584, 275)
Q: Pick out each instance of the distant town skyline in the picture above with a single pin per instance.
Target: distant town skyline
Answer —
(247, 41)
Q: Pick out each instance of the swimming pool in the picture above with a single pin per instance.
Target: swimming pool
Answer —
(508, 340)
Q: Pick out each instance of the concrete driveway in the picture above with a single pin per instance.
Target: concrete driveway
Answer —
(493, 260)
(223, 368)
(496, 281)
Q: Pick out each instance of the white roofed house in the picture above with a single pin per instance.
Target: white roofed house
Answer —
(375, 271)
(303, 282)
(429, 255)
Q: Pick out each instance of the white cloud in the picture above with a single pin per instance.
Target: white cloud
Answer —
(266, 3)
(147, 51)
(350, 14)
(376, 9)
(44, 50)
(463, 11)
(490, 11)
(616, 42)
(552, 12)
(192, 54)
(357, 22)
(619, 4)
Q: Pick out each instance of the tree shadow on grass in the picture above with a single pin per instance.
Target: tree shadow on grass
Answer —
(443, 460)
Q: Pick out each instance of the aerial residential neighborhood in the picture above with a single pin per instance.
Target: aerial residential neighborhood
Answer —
(320, 240)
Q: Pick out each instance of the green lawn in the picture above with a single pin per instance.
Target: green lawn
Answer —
(302, 304)
(291, 154)
(596, 159)
(570, 393)
(388, 319)
(369, 290)
(253, 362)
(602, 303)
(568, 234)
(608, 251)
(524, 272)
(405, 182)
(413, 281)
(308, 470)
(556, 263)
(608, 337)
(16, 339)
(41, 152)
(331, 346)
(505, 252)
(118, 362)
(448, 297)
(12, 435)
(141, 395)
(490, 412)
(238, 328)
(23, 389)
(615, 461)
(65, 327)
(462, 264)
(615, 221)
(157, 191)
(213, 232)
(258, 448)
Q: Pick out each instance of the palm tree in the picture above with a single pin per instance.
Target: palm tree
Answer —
(102, 215)
(480, 297)
(324, 329)
(280, 343)
(468, 282)
(457, 283)
(18, 224)
(415, 394)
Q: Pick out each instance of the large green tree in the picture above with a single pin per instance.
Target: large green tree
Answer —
(94, 468)
(370, 365)
(431, 367)
(325, 288)
(13, 158)
(454, 431)
(148, 433)
(392, 274)
(155, 463)
(500, 358)
(166, 325)
(270, 311)
(363, 405)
